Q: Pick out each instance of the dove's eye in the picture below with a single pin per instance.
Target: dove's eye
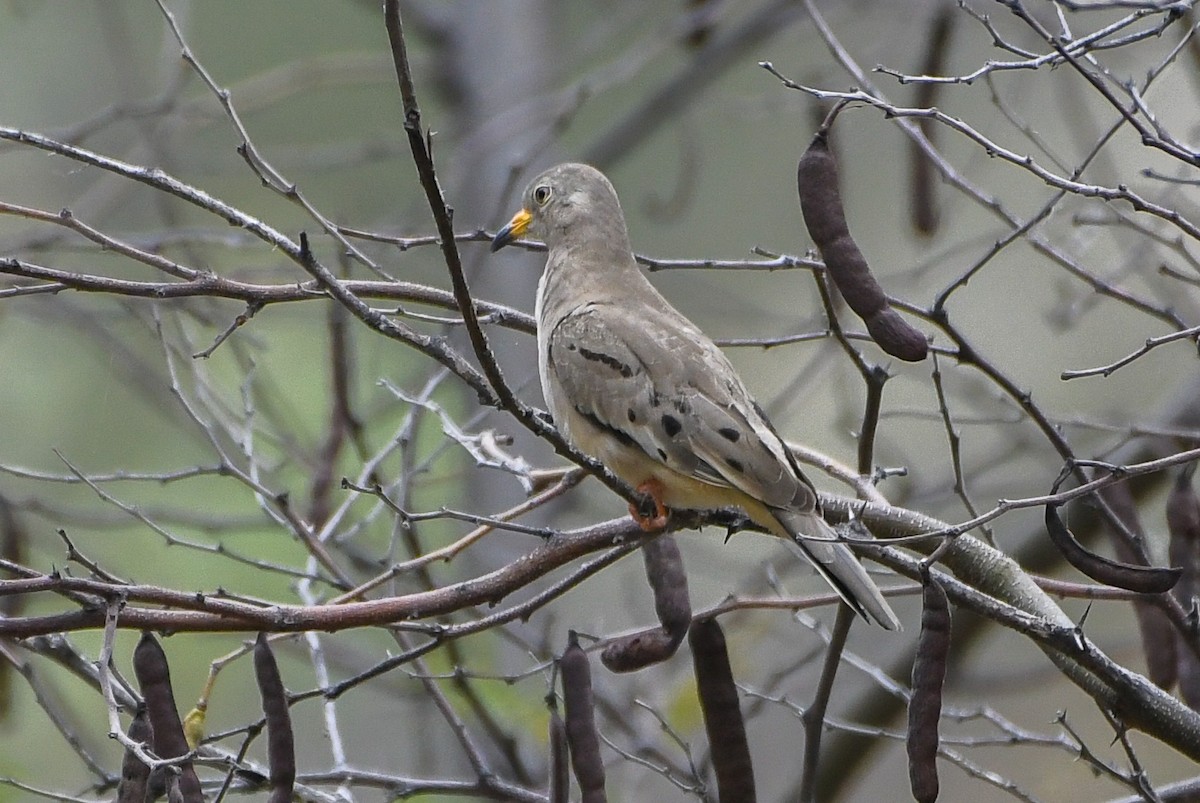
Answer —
(541, 194)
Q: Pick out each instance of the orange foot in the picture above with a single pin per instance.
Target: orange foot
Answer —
(654, 489)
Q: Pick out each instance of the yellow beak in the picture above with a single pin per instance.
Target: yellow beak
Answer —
(515, 228)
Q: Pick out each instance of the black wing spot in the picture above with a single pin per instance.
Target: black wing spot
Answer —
(632, 416)
(730, 434)
(662, 454)
(607, 359)
(671, 425)
(736, 465)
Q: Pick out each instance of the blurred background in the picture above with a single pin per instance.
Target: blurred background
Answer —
(701, 142)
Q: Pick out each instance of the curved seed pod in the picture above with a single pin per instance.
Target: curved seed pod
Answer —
(928, 676)
(638, 651)
(580, 707)
(135, 775)
(154, 679)
(896, 336)
(1142, 579)
(722, 713)
(560, 772)
(281, 753)
(668, 580)
(1157, 631)
(1183, 524)
(825, 218)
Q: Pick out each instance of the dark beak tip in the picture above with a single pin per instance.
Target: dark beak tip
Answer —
(502, 238)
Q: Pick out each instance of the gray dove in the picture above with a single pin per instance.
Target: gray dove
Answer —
(633, 383)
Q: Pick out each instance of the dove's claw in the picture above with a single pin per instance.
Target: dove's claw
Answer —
(653, 489)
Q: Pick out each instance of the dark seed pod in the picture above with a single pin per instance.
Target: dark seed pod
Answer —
(1183, 524)
(825, 217)
(701, 15)
(135, 775)
(154, 679)
(1142, 579)
(582, 738)
(281, 753)
(1157, 631)
(923, 208)
(668, 579)
(13, 539)
(928, 676)
(672, 603)
(722, 713)
(638, 651)
(156, 784)
(560, 770)
(904, 342)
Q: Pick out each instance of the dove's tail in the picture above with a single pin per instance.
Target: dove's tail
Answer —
(816, 541)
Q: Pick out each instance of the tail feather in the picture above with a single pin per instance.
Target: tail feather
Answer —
(834, 561)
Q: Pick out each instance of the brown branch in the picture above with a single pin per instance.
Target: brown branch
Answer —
(198, 612)
(443, 220)
(210, 285)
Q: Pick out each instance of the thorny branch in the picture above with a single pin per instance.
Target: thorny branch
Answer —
(503, 575)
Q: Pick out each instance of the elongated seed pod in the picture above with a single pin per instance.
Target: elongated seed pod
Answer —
(281, 752)
(722, 713)
(560, 765)
(1157, 631)
(13, 538)
(928, 677)
(135, 775)
(1142, 579)
(825, 217)
(923, 209)
(672, 603)
(154, 678)
(668, 579)
(582, 738)
(1183, 525)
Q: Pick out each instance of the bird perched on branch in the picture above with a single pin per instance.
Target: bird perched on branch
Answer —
(633, 383)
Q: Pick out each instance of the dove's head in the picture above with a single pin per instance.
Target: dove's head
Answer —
(568, 204)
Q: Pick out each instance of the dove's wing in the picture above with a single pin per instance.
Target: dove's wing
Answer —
(657, 382)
